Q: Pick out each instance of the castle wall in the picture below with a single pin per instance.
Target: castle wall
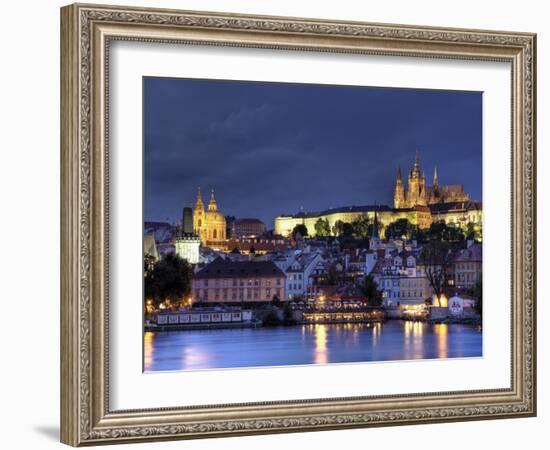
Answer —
(285, 224)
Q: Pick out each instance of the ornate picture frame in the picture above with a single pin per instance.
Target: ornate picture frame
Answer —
(86, 34)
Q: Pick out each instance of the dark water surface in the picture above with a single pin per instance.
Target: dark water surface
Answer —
(308, 344)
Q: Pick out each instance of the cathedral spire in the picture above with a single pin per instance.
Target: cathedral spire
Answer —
(436, 181)
(199, 204)
(212, 206)
(416, 166)
(399, 192)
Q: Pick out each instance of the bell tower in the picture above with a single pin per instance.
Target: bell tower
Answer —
(399, 192)
(416, 193)
(198, 214)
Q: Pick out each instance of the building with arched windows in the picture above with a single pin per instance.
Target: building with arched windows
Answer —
(209, 224)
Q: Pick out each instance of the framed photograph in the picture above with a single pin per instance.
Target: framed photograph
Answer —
(275, 224)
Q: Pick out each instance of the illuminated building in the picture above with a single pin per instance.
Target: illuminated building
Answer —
(419, 215)
(417, 202)
(468, 265)
(209, 224)
(150, 253)
(187, 243)
(402, 280)
(226, 281)
(242, 228)
(298, 274)
(458, 213)
(418, 194)
(150, 247)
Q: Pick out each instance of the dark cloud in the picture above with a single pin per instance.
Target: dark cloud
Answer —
(269, 148)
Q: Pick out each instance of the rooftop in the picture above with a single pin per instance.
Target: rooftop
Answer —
(220, 268)
(343, 209)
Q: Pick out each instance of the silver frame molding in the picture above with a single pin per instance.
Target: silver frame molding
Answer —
(86, 33)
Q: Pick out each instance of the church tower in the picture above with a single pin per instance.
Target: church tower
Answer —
(399, 192)
(374, 241)
(416, 192)
(212, 205)
(198, 214)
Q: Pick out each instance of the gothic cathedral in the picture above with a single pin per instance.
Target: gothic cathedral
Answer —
(418, 194)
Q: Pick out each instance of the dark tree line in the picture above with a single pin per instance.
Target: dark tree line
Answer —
(167, 280)
(369, 288)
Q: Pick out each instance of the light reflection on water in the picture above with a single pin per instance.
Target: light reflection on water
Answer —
(308, 344)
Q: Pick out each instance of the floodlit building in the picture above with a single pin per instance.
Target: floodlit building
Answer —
(298, 274)
(226, 281)
(209, 224)
(418, 193)
(402, 280)
(187, 243)
(419, 203)
(468, 266)
(242, 228)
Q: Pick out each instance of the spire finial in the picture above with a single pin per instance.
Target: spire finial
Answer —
(435, 177)
(399, 172)
(416, 167)
(198, 203)
(212, 206)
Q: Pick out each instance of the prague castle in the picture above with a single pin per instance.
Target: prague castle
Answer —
(419, 204)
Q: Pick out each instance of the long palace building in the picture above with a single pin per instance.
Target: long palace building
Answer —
(419, 203)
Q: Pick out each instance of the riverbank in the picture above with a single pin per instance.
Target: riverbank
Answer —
(203, 326)
(455, 320)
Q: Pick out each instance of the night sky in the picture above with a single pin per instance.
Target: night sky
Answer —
(272, 148)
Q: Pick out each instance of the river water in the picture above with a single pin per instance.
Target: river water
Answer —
(308, 344)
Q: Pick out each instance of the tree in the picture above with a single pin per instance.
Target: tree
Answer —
(360, 227)
(299, 228)
(369, 289)
(401, 228)
(344, 229)
(474, 231)
(440, 231)
(436, 258)
(276, 301)
(322, 228)
(169, 280)
(338, 228)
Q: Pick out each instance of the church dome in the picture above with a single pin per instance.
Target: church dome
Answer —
(214, 217)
